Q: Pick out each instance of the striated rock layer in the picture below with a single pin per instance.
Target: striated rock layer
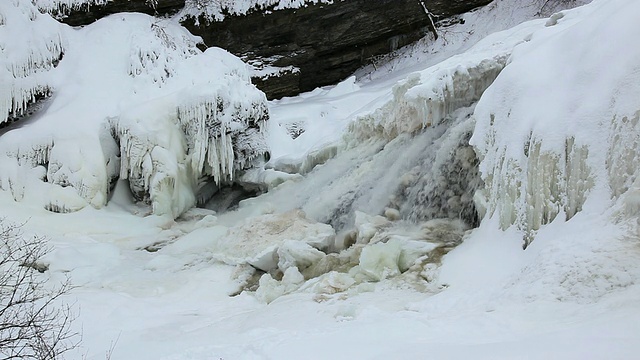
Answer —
(321, 44)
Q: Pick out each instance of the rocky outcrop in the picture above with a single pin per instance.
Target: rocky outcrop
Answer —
(90, 13)
(324, 43)
(301, 49)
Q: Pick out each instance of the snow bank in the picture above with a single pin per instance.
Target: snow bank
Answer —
(564, 138)
(140, 102)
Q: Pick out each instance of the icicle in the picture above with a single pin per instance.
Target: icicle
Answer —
(26, 57)
(59, 8)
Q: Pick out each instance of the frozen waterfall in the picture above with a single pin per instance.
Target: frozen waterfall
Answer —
(563, 140)
(26, 57)
(134, 99)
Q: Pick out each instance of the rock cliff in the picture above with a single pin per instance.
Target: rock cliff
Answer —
(301, 49)
(322, 44)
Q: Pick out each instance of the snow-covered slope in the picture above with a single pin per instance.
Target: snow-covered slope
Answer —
(366, 248)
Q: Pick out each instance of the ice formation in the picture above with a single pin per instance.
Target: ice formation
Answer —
(139, 102)
(554, 143)
(61, 7)
(411, 162)
(199, 133)
(397, 250)
(426, 98)
(26, 56)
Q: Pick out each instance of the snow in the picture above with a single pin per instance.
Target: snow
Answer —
(364, 246)
(213, 10)
(216, 10)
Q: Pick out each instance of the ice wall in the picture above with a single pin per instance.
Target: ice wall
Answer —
(564, 138)
(31, 44)
(426, 98)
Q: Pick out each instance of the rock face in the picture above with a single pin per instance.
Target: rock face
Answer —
(88, 14)
(322, 44)
(301, 49)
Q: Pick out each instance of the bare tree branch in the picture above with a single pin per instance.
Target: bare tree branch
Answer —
(33, 323)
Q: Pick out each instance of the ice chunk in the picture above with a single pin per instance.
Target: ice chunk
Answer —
(297, 254)
(381, 261)
(261, 241)
(270, 289)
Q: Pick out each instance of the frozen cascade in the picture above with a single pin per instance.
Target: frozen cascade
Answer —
(553, 145)
(439, 169)
(388, 156)
(26, 56)
(445, 180)
(145, 106)
(398, 191)
(223, 135)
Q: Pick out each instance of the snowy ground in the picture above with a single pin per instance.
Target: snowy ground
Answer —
(151, 287)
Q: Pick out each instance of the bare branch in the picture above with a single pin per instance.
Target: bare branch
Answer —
(33, 323)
